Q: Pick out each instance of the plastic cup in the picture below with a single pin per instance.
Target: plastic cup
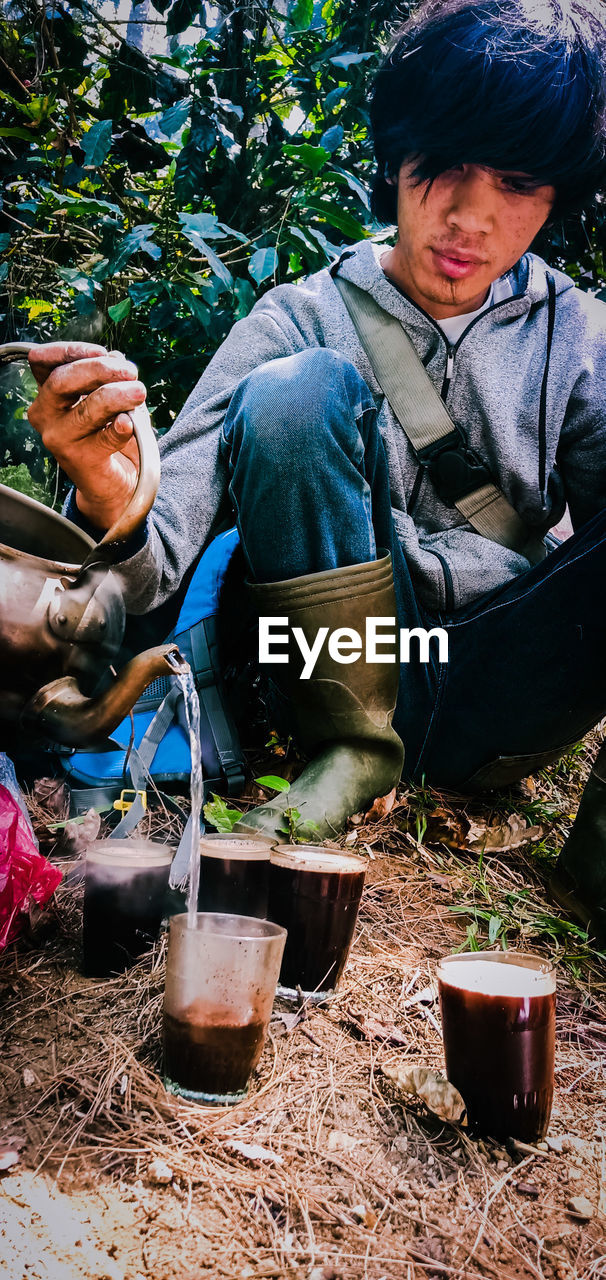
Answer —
(220, 986)
(498, 1026)
(234, 874)
(315, 892)
(124, 890)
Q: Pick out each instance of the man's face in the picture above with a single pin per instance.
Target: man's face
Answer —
(468, 229)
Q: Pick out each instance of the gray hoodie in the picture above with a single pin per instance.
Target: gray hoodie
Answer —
(532, 409)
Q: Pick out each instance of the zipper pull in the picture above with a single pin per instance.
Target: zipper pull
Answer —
(450, 355)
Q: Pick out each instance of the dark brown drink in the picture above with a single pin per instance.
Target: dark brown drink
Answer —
(124, 894)
(208, 1055)
(221, 974)
(234, 875)
(498, 1024)
(315, 894)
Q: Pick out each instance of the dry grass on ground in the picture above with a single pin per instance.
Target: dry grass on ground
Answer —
(351, 1180)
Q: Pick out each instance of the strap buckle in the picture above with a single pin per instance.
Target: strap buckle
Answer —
(454, 468)
(123, 805)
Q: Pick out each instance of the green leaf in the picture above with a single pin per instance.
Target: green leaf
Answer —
(217, 813)
(204, 225)
(272, 780)
(332, 138)
(263, 264)
(142, 291)
(344, 178)
(137, 241)
(26, 135)
(4, 241)
(36, 307)
(335, 95)
(172, 120)
(494, 925)
(190, 174)
(346, 60)
(300, 14)
(163, 314)
(81, 206)
(313, 158)
(120, 310)
(192, 301)
(3, 270)
(246, 297)
(182, 15)
(190, 230)
(337, 217)
(96, 143)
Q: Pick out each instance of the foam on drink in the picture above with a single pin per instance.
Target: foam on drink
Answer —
(236, 848)
(497, 978)
(124, 891)
(306, 858)
(234, 874)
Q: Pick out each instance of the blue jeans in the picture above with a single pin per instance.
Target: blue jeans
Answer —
(309, 483)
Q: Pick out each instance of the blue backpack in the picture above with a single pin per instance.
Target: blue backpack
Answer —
(160, 738)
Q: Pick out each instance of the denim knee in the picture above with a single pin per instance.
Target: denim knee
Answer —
(296, 405)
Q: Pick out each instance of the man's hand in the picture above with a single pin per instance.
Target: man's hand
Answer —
(81, 414)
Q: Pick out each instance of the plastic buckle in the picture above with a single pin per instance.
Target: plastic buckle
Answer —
(454, 469)
(123, 805)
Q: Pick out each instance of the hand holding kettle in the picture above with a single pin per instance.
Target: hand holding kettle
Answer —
(81, 411)
(61, 607)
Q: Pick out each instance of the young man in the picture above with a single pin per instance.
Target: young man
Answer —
(488, 120)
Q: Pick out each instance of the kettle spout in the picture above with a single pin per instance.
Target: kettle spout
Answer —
(62, 713)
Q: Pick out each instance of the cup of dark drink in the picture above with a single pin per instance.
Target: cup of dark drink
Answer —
(234, 874)
(498, 1025)
(314, 892)
(124, 889)
(220, 985)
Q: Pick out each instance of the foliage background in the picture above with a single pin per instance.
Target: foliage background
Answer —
(160, 172)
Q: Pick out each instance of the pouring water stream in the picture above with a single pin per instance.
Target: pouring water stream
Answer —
(192, 715)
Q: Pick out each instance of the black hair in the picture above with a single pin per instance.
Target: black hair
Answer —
(511, 84)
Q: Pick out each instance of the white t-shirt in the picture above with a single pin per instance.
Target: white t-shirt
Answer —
(453, 326)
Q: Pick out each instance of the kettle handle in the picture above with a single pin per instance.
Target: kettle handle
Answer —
(143, 496)
(146, 488)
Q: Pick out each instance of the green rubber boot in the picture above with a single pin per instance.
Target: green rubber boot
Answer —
(342, 714)
(579, 881)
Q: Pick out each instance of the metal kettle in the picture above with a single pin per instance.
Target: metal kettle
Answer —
(62, 613)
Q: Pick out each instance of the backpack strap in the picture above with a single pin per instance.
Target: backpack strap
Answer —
(459, 475)
(141, 758)
(202, 640)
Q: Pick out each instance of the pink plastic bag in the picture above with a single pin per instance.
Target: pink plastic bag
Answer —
(25, 876)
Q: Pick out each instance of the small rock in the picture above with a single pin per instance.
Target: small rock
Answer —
(528, 1189)
(570, 1143)
(502, 1165)
(542, 1146)
(365, 1215)
(339, 1141)
(581, 1207)
(29, 1078)
(8, 1159)
(159, 1173)
(555, 1144)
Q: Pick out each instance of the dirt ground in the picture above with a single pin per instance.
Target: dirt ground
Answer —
(325, 1172)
